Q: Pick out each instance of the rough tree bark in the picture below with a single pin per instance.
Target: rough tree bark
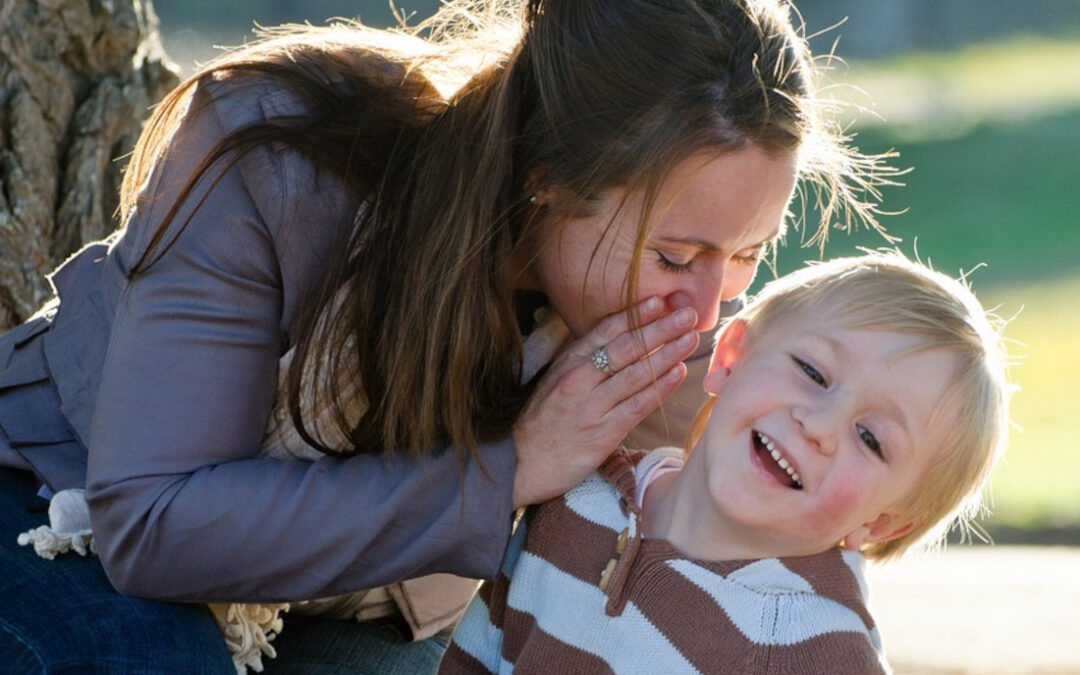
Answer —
(77, 79)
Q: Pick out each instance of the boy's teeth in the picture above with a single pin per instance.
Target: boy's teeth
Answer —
(779, 459)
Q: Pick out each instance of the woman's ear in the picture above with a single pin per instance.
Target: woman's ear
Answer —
(538, 196)
(885, 527)
(542, 197)
(729, 349)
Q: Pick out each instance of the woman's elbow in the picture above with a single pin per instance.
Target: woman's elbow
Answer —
(124, 544)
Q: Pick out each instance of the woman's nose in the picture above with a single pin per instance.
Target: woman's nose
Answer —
(708, 291)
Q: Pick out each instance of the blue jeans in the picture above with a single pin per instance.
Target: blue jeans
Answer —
(308, 646)
(63, 616)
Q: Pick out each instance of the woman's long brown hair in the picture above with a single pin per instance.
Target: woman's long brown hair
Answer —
(444, 131)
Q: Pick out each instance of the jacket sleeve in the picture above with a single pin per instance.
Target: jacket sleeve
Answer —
(182, 507)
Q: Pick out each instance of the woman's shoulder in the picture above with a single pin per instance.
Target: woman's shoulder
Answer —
(286, 185)
(242, 101)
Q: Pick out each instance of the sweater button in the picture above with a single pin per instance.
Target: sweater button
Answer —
(605, 576)
(620, 545)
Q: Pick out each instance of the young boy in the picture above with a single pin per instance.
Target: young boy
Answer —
(858, 407)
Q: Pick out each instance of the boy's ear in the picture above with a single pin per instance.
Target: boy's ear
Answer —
(729, 349)
(885, 527)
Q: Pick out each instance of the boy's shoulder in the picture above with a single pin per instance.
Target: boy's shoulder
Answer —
(648, 458)
(604, 504)
(625, 468)
(637, 455)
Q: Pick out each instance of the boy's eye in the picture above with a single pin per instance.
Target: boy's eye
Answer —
(669, 265)
(869, 440)
(811, 372)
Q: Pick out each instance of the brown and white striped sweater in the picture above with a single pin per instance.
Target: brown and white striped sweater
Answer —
(581, 591)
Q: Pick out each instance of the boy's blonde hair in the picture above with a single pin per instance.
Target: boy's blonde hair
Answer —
(886, 291)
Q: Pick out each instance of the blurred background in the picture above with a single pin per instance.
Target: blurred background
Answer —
(981, 99)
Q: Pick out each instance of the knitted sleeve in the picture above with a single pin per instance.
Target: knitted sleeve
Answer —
(477, 643)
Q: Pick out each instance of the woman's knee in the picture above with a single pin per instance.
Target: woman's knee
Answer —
(312, 645)
(19, 656)
(62, 616)
(119, 635)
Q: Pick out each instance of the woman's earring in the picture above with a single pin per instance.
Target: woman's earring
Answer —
(532, 199)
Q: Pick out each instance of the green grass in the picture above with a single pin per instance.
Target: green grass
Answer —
(1003, 194)
(1036, 483)
(995, 181)
(1014, 79)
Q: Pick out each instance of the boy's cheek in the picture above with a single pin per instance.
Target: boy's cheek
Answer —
(838, 508)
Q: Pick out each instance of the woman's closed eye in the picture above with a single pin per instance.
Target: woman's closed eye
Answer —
(811, 372)
(673, 265)
(750, 256)
(680, 264)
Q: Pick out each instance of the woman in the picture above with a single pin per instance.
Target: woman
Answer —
(376, 216)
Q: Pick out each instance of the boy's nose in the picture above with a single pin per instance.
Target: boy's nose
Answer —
(816, 428)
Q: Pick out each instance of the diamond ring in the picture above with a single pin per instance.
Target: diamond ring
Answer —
(602, 361)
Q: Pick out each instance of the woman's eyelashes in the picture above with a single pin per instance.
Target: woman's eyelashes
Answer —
(750, 256)
(674, 266)
(677, 264)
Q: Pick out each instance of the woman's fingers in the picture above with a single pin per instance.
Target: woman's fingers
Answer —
(631, 411)
(613, 327)
(579, 414)
(631, 346)
(634, 359)
(639, 388)
(645, 371)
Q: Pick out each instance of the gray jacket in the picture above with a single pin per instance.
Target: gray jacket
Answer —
(169, 380)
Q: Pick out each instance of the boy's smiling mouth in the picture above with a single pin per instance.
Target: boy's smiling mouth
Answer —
(774, 462)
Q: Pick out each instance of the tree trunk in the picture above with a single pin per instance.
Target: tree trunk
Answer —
(77, 79)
